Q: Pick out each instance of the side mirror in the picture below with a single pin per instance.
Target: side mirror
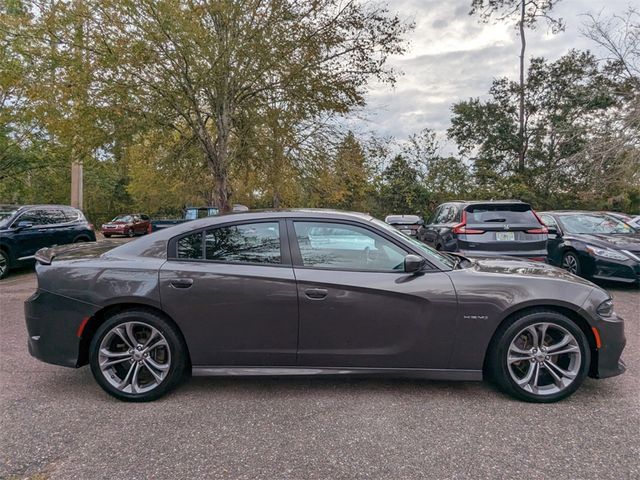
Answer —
(413, 263)
(552, 231)
(421, 222)
(22, 225)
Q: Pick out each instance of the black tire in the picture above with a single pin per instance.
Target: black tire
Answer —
(106, 235)
(178, 356)
(571, 263)
(81, 240)
(4, 264)
(499, 370)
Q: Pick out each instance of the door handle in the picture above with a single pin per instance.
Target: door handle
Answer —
(181, 282)
(316, 293)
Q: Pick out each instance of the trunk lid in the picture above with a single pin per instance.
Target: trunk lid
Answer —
(74, 251)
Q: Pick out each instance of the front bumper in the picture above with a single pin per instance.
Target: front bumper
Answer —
(608, 361)
(52, 327)
(627, 271)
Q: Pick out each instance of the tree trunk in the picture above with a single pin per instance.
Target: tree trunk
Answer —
(521, 132)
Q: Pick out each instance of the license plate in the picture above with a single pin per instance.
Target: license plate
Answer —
(407, 232)
(505, 236)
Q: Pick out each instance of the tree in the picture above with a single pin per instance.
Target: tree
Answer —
(443, 177)
(611, 158)
(400, 190)
(564, 100)
(200, 66)
(527, 12)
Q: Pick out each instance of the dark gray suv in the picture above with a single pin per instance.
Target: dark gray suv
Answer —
(487, 228)
(309, 292)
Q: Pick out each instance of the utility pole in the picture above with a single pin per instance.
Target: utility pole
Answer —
(77, 181)
(77, 173)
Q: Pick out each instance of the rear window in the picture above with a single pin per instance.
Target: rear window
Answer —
(500, 214)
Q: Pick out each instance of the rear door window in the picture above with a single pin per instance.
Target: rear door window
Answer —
(245, 243)
(501, 214)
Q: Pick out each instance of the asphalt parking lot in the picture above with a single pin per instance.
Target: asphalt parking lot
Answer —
(57, 423)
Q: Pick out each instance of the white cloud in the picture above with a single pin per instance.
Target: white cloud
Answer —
(452, 56)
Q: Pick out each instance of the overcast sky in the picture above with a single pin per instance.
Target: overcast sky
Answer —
(452, 57)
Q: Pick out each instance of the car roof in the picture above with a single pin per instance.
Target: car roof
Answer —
(573, 212)
(44, 205)
(481, 202)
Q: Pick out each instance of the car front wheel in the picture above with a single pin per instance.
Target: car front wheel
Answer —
(541, 357)
(571, 263)
(4, 264)
(131, 233)
(137, 356)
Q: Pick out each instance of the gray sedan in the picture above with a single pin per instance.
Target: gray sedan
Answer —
(315, 292)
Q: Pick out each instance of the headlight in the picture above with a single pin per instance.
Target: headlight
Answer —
(605, 309)
(606, 253)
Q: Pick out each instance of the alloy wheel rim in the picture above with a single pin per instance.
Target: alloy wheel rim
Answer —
(544, 359)
(570, 263)
(3, 264)
(134, 357)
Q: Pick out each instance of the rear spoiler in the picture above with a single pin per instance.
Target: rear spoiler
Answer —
(45, 256)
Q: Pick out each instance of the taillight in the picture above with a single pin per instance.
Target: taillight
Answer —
(543, 228)
(91, 227)
(461, 228)
(149, 228)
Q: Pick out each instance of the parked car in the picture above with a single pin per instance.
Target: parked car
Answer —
(593, 244)
(635, 222)
(620, 216)
(192, 213)
(130, 225)
(487, 228)
(407, 224)
(308, 292)
(28, 228)
(188, 214)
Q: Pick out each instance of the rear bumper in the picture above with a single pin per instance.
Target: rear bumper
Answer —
(537, 255)
(52, 327)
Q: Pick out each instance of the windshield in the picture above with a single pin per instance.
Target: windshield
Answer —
(5, 216)
(428, 252)
(123, 218)
(594, 223)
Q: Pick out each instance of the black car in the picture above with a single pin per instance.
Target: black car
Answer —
(407, 224)
(593, 244)
(487, 228)
(26, 229)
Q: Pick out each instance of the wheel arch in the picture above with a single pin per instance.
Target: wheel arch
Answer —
(573, 315)
(6, 249)
(82, 237)
(99, 317)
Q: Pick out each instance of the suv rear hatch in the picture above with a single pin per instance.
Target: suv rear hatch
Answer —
(502, 229)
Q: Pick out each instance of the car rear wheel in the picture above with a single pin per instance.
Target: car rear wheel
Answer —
(137, 356)
(571, 263)
(4, 264)
(540, 357)
(106, 235)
